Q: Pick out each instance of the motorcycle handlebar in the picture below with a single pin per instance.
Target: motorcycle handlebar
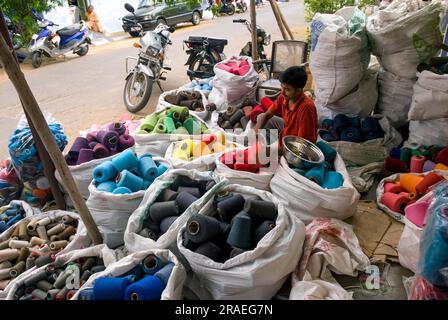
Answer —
(239, 21)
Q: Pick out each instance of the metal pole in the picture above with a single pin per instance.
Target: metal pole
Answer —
(43, 154)
(37, 119)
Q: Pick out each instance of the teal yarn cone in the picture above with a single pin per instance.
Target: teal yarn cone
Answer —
(127, 160)
(328, 151)
(317, 174)
(147, 168)
(104, 172)
(151, 264)
(108, 186)
(122, 190)
(129, 180)
(333, 180)
(161, 169)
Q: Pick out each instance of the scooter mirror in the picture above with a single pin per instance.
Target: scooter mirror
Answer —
(129, 7)
(171, 29)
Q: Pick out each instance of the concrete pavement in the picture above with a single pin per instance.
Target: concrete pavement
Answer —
(80, 91)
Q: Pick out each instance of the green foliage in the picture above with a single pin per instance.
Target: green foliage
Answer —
(19, 11)
(215, 9)
(331, 6)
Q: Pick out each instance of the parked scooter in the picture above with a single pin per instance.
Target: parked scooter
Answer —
(73, 39)
(205, 52)
(150, 64)
(16, 39)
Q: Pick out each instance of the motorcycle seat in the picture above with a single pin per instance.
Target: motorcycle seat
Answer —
(69, 31)
(214, 42)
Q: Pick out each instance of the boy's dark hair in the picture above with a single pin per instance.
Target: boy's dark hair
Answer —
(294, 76)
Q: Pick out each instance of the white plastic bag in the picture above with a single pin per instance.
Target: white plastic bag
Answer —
(101, 251)
(339, 54)
(257, 274)
(395, 96)
(307, 200)
(230, 88)
(430, 99)
(174, 286)
(157, 143)
(162, 104)
(370, 151)
(135, 242)
(427, 133)
(409, 246)
(405, 34)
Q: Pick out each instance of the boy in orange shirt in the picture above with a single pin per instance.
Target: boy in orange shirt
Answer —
(293, 113)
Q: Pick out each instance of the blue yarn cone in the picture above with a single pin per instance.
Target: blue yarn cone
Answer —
(340, 122)
(148, 288)
(333, 180)
(351, 134)
(370, 124)
(86, 294)
(395, 152)
(165, 273)
(110, 288)
(327, 124)
(354, 122)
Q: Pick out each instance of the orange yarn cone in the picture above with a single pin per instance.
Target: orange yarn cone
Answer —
(409, 181)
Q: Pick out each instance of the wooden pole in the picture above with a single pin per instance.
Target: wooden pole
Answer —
(282, 17)
(38, 120)
(279, 20)
(253, 22)
(43, 154)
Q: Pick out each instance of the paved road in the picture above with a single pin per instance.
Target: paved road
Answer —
(81, 91)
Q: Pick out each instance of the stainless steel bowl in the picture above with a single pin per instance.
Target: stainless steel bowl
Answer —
(300, 153)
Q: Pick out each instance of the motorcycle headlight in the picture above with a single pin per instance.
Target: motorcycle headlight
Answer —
(152, 52)
(267, 39)
(42, 24)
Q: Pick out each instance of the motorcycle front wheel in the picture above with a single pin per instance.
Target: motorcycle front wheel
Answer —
(36, 59)
(136, 96)
(202, 65)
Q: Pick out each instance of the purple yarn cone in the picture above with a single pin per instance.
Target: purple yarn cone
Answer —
(79, 144)
(125, 141)
(100, 151)
(70, 161)
(108, 138)
(118, 127)
(92, 144)
(85, 155)
(428, 166)
(91, 137)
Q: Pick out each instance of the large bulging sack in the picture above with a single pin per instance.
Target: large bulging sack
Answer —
(427, 133)
(163, 104)
(174, 286)
(430, 99)
(405, 34)
(307, 200)
(256, 274)
(409, 245)
(394, 99)
(339, 54)
(134, 241)
(361, 101)
(229, 88)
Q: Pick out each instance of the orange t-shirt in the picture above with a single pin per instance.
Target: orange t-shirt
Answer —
(300, 120)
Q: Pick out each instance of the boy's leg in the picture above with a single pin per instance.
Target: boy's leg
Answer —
(275, 123)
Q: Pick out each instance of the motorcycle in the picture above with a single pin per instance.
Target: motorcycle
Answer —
(240, 6)
(227, 7)
(16, 39)
(73, 39)
(205, 52)
(150, 64)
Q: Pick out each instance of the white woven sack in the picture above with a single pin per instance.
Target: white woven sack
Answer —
(409, 245)
(135, 242)
(229, 88)
(427, 133)
(307, 200)
(156, 143)
(174, 286)
(395, 96)
(395, 177)
(403, 35)
(162, 104)
(101, 251)
(252, 275)
(39, 215)
(260, 180)
(338, 57)
(430, 99)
